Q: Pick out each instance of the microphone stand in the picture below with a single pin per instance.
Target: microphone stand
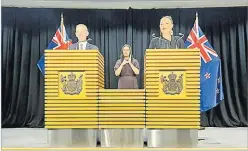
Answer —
(180, 35)
(154, 36)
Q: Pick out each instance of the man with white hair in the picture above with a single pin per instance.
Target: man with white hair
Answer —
(82, 44)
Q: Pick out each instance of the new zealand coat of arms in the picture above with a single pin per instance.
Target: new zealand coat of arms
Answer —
(172, 85)
(71, 86)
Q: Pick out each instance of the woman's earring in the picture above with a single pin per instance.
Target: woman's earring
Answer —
(171, 32)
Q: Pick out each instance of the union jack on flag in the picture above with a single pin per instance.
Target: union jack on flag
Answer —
(197, 39)
(210, 72)
(59, 41)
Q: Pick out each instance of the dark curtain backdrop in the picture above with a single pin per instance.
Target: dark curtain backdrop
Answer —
(26, 33)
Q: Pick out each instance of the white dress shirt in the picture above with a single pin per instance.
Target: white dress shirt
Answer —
(82, 45)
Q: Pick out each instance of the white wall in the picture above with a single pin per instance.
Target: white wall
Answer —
(123, 4)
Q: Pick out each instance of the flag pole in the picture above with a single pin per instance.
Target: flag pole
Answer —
(196, 19)
(196, 27)
(62, 24)
(62, 19)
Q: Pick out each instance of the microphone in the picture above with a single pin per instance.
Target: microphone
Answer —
(181, 35)
(154, 36)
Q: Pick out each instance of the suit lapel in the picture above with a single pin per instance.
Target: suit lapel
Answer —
(87, 46)
(77, 46)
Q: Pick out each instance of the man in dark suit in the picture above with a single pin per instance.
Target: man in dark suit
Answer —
(82, 44)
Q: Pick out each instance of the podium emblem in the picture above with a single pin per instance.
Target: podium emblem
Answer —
(172, 85)
(71, 84)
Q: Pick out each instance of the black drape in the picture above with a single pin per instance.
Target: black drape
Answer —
(26, 33)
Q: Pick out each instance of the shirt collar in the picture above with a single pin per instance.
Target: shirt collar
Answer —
(172, 39)
(82, 42)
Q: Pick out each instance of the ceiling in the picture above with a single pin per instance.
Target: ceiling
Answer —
(122, 4)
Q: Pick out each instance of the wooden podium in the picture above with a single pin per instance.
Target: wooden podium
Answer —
(122, 117)
(77, 105)
(72, 81)
(172, 83)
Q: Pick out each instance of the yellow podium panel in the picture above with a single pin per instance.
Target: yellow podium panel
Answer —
(75, 96)
(72, 80)
(172, 83)
(120, 108)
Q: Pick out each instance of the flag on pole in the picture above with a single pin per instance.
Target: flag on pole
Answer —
(59, 41)
(210, 72)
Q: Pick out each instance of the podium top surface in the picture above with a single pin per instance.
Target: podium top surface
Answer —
(74, 53)
(172, 50)
(83, 51)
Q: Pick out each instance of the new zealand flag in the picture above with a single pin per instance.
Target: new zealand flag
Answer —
(60, 41)
(210, 72)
